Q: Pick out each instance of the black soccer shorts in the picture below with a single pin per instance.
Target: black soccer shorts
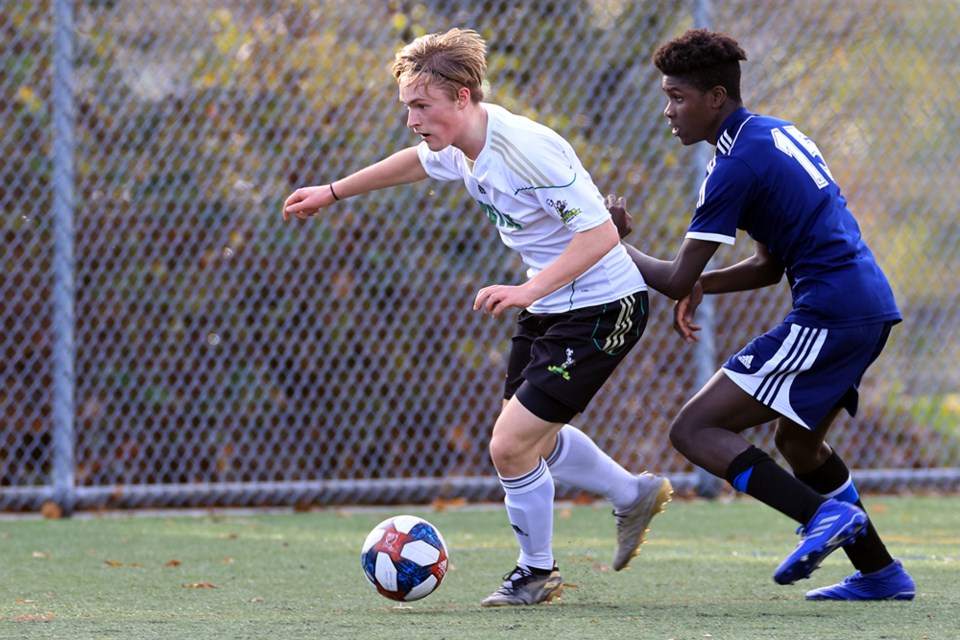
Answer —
(559, 361)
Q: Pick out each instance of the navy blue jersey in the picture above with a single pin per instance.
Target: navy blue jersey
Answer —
(770, 180)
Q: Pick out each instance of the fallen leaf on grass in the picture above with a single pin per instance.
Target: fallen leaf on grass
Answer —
(200, 585)
(34, 618)
(113, 563)
(173, 563)
(51, 510)
(442, 504)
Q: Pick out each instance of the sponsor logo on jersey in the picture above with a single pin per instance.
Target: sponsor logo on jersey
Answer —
(565, 214)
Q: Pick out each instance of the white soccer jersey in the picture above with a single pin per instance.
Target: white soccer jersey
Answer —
(532, 186)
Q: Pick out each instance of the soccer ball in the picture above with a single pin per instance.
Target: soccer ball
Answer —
(405, 558)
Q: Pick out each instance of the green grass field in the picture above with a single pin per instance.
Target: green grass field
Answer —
(704, 574)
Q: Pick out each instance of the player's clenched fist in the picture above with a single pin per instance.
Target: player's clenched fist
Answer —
(622, 220)
(495, 298)
(307, 201)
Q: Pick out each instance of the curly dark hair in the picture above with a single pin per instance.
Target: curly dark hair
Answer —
(703, 58)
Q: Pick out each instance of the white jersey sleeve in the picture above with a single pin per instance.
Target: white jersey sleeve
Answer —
(441, 165)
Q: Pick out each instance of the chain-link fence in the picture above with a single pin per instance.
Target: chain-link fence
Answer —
(166, 340)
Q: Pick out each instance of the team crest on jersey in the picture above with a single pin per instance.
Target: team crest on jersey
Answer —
(560, 206)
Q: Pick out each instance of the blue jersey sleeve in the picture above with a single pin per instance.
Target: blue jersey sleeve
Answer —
(725, 192)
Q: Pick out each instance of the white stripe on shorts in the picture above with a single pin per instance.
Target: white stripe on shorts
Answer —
(772, 382)
(617, 339)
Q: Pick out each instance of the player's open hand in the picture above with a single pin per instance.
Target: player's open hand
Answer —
(307, 201)
(622, 220)
(684, 312)
(495, 298)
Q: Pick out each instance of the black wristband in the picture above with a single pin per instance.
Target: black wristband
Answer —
(332, 192)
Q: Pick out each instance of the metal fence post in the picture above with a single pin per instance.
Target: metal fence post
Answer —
(708, 485)
(64, 350)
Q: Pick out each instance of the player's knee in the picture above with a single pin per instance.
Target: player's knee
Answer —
(681, 435)
(503, 452)
(496, 449)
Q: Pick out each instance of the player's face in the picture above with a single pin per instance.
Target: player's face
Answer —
(692, 118)
(432, 115)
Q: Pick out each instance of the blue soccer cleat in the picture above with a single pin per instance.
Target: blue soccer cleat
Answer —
(890, 583)
(833, 525)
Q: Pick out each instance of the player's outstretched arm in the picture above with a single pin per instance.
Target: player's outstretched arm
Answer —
(674, 278)
(403, 167)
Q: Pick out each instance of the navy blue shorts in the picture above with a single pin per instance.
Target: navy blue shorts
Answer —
(803, 373)
(559, 361)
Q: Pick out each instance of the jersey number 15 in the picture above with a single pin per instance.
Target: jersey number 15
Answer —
(789, 139)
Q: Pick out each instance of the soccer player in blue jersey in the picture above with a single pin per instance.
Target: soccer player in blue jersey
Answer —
(771, 180)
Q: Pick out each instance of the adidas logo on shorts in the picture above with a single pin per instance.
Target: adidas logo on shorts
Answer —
(746, 361)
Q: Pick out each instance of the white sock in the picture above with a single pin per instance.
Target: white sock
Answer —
(579, 462)
(529, 502)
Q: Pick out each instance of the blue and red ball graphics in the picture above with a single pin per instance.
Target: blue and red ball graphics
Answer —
(405, 558)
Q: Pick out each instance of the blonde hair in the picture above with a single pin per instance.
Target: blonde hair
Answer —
(448, 61)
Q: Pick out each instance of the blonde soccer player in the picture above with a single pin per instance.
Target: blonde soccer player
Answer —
(580, 312)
